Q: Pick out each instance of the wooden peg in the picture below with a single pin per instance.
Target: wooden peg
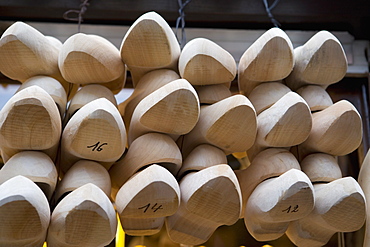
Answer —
(95, 132)
(229, 124)
(52, 87)
(269, 58)
(209, 198)
(151, 148)
(203, 62)
(81, 173)
(85, 217)
(286, 123)
(172, 109)
(146, 199)
(149, 44)
(24, 213)
(210, 94)
(320, 61)
(269, 163)
(328, 135)
(275, 202)
(339, 207)
(30, 120)
(316, 97)
(86, 59)
(266, 94)
(34, 165)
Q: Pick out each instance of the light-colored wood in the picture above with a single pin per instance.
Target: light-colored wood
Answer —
(146, 199)
(201, 157)
(277, 201)
(269, 58)
(84, 218)
(30, 120)
(203, 62)
(172, 109)
(88, 58)
(95, 132)
(363, 180)
(149, 44)
(85, 95)
(316, 97)
(286, 123)
(34, 165)
(266, 94)
(209, 198)
(269, 163)
(52, 87)
(24, 213)
(81, 173)
(229, 124)
(320, 61)
(321, 167)
(151, 148)
(336, 130)
(116, 85)
(150, 82)
(210, 94)
(339, 207)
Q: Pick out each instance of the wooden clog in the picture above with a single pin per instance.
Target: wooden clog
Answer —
(172, 109)
(286, 123)
(34, 165)
(316, 97)
(95, 132)
(210, 94)
(321, 167)
(146, 199)
(229, 124)
(275, 202)
(151, 148)
(320, 61)
(85, 218)
(149, 44)
(209, 198)
(30, 120)
(269, 58)
(85, 59)
(24, 213)
(203, 62)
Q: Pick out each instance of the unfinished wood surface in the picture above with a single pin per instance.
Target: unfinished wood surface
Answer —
(269, 58)
(363, 180)
(84, 218)
(201, 157)
(339, 207)
(210, 94)
(275, 202)
(320, 61)
(117, 84)
(269, 163)
(203, 62)
(30, 120)
(146, 199)
(209, 198)
(321, 167)
(24, 213)
(34, 165)
(286, 123)
(85, 95)
(316, 97)
(337, 130)
(149, 44)
(266, 94)
(95, 132)
(88, 58)
(52, 87)
(172, 109)
(81, 173)
(229, 124)
(150, 82)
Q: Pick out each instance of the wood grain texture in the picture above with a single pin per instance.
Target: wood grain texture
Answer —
(363, 180)
(316, 97)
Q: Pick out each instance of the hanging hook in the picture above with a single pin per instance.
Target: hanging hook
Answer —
(269, 14)
(79, 19)
(181, 19)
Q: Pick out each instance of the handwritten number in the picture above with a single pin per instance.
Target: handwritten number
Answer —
(155, 208)
(290, 210)
(97, 146)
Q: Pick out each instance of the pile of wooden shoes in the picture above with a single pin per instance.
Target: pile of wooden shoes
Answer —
(73, 159)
